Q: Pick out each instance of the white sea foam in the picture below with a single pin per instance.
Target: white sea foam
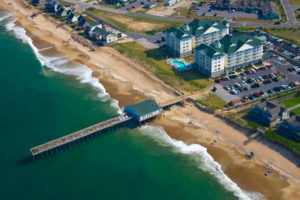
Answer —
(201, 156)
(60, 64)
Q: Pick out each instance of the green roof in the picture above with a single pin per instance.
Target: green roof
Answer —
(144, 107)
(230, 44)
(197, 27)
(179, 33)
(210, 51)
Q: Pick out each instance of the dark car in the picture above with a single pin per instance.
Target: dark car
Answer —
(277, 89)
(255, 85)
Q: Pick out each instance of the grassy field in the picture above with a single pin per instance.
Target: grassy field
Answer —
(292, 102)
(291, 35)
(295, 2)
(244, 29)
(296, 111)
(212, 102)
(155, 62)
(134, 23)
(289, 144)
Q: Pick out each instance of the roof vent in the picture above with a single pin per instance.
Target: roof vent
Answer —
(200, 27)
(186, 27)
(233, 45)
(215, 24)
(217, 44)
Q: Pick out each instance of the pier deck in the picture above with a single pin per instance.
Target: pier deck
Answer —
(59, 142)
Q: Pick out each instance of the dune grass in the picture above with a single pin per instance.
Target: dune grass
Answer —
(155, 61)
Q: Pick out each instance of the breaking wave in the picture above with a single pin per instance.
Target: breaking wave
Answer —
(60, 64)
(201, 156)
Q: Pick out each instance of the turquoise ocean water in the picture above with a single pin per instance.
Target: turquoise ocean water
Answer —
(39, 103)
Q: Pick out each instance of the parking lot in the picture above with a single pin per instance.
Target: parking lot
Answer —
(205, 10)
(258, 82)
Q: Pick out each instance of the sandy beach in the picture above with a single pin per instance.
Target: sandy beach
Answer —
(128, 82)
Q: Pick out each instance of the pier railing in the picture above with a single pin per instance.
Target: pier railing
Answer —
(58, 143)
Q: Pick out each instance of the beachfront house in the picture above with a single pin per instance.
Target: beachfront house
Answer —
(62, 11)
(82, 22)
(38, 2)
(228, 54)
(72, 18)
(103, 35)
(181, 41)
(268, 113)
(143, 110)
(52, 6)
(290, 128)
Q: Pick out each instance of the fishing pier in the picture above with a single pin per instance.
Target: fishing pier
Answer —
(138, 113)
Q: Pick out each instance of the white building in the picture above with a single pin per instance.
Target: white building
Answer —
(228, 54)
(181, 41)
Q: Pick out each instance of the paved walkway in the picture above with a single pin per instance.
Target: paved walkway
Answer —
(293, 107)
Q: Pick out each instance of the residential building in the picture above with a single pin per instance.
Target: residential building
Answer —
(38, 2)
(181, 41)
(290, 128)
(178, 42)
(143, 110)
(101, 34)
(265, 9)
(72, 18)
(228, 54)
(52, 6)
(269, 113)
(82, 22)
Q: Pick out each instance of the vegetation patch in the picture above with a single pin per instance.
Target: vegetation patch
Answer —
(291, 35)
(296, 111)
(292, 101)
(289, 144)
(281, 10)
(212, 102)
(295, 2)
(134, 23)
(155, 61)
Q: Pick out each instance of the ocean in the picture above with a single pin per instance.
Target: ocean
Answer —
(42, 99)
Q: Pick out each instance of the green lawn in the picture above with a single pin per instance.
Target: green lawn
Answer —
(296, 111)
(155, 62)
(295, 2)
(292, 102)
(212, 101)
(125, 22)
(289, 144)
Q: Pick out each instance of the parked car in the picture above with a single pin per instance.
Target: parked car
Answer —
(255, 85)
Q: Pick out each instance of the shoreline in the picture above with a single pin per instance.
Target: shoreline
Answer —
(231, 157)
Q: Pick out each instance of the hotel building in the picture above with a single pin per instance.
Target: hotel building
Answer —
(227, 54)
(181, 41)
